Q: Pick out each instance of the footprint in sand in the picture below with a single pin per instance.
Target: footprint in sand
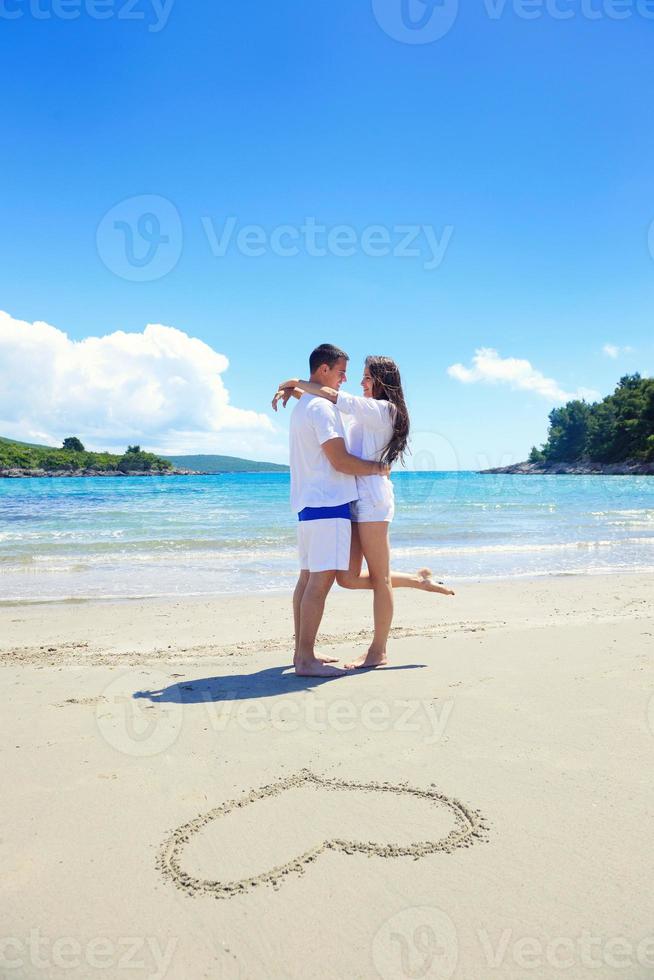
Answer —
(224, 852)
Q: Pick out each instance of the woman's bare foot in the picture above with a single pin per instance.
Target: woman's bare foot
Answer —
(368, 661)
(427, 583)
(313, 667)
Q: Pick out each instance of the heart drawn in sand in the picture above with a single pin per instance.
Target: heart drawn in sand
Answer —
(256, 833)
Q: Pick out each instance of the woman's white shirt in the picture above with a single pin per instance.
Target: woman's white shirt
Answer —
(369, 431)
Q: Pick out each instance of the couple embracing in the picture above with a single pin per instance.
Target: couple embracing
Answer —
(342, 447)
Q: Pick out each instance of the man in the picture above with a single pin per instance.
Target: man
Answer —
(322, 486)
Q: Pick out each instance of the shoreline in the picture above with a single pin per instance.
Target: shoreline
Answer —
(515, 469)
(625, 468)
(287, 592)
(18, 474)
(107, 630)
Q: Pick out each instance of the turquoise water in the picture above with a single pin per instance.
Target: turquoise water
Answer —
(208, 535)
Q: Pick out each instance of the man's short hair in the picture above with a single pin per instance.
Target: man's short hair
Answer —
(326, 354)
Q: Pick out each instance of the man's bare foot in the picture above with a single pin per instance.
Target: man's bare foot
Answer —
(321, 657)
(317, 668)
(368, 661)
(428, 584)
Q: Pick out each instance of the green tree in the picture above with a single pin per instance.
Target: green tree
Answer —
(17, 456)
(568, 431)
(631, 426)
(73, 444)
(52, 460)
(140, 462)
(648, 417)
(618, 428)
(600, 443)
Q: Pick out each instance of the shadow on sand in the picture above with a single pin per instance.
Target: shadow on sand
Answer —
(237, 687)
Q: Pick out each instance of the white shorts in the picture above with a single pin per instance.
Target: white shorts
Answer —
(367, 511)
(324, 545)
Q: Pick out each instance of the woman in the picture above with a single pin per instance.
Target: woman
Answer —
(378, 430)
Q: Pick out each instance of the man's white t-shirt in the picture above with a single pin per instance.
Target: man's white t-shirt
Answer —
(369, 432)
(314, 481)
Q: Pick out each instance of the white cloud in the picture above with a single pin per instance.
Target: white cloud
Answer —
(613, 351)
(160, 388)
(489, 368)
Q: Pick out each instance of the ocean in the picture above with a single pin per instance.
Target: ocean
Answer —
(97, 537)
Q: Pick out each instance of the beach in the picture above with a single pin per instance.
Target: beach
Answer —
(176, 804)
(306, 295)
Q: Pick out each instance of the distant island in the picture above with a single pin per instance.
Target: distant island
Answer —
(24, 459)
(614, 436)
(225, 464)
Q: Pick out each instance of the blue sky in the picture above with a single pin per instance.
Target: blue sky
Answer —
(524, 146)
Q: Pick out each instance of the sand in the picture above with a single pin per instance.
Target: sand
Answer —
(176, 804)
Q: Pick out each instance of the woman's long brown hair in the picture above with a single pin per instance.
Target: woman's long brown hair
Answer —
(387, 385)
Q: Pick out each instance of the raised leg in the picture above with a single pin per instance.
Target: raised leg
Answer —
(356, 578)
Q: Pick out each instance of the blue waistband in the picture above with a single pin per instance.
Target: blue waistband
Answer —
(322, 513)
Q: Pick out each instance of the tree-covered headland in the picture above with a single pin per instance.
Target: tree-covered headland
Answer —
(73, 457)
(616, 429)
